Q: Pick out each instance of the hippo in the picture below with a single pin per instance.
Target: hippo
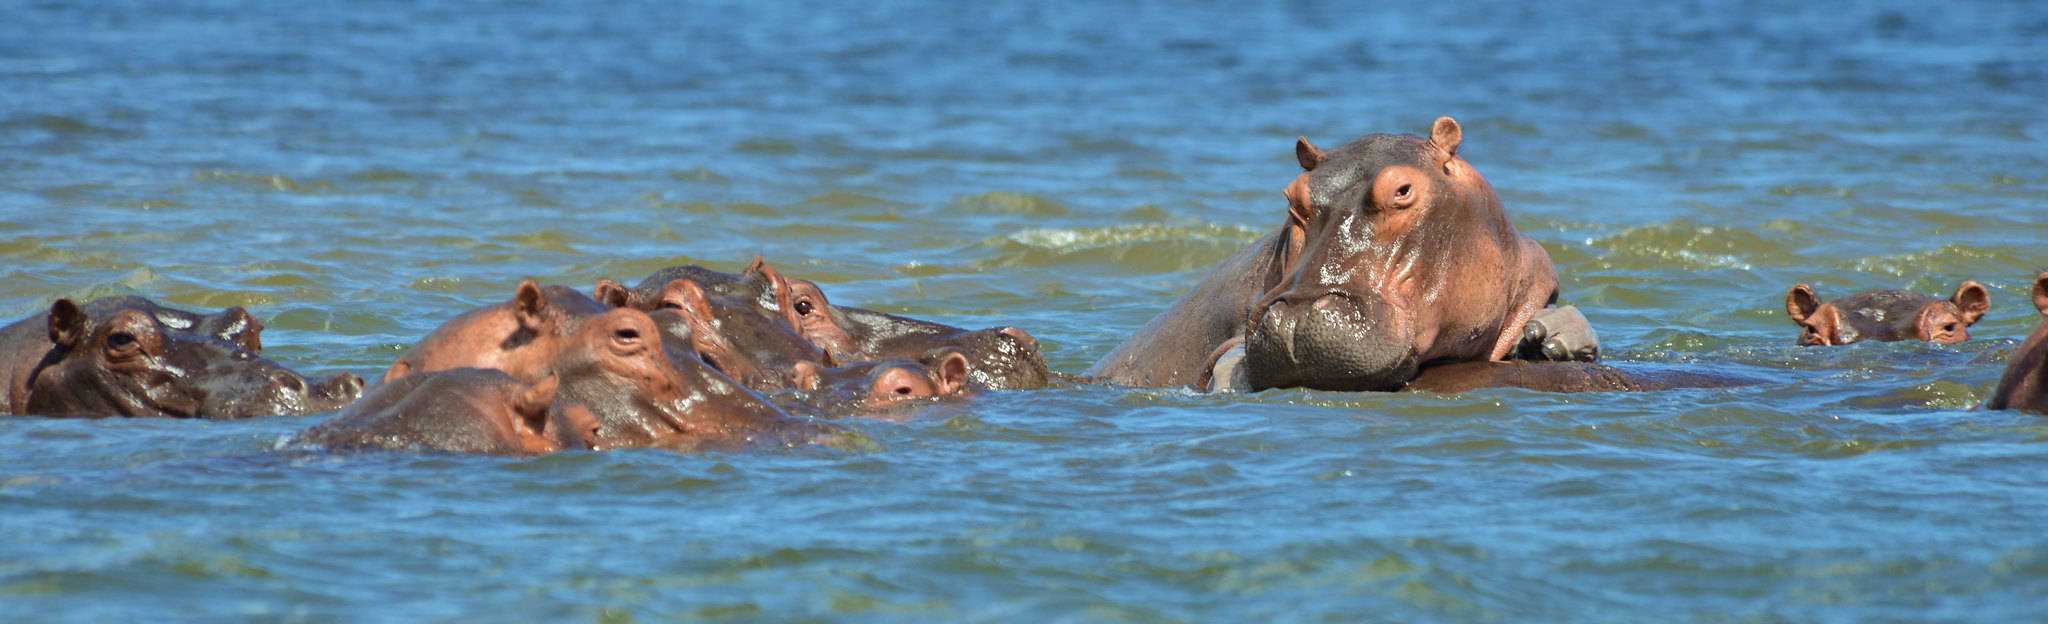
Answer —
(759, 310)
(2024, 386)
(999, 358)
(726, 324)
(130, 364)
(516, 336)
(24, 343)
(615, 366)
(866, 385)
(1395, 254)
(459, 410)
(1886, 315)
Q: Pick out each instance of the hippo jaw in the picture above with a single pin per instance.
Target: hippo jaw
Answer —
(1330, 342)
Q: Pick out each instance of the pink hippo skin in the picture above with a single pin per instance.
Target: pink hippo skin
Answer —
(517, 336)
(1395, 253)
(1886, 315)
(2025, 383)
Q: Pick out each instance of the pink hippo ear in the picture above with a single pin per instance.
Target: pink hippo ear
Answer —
(1446, 134)
(68, 324)
(1307, 154)
(2041, 293)
(1800, 303)
(950, 372)
(1972, 300)
(613, 294)
(1820, 323)
(529, 305)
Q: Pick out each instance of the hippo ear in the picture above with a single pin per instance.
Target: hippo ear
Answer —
(532, 403)
(1972, 300)
(529, 305)
(1445, 134)
(1307, 154)
(755, 265)
(612, 294)
(68, 324)
(2041, 293)
(686, 298)
(950, 372)
(1800, 303)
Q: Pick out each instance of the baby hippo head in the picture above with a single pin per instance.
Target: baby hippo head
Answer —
(1886, 315)
(131, 365)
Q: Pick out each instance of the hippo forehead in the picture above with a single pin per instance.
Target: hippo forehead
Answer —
(1351, 168)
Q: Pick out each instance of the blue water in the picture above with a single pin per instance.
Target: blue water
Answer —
(358, 173)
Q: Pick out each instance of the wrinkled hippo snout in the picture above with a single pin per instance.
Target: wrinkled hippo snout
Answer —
(1330, 342)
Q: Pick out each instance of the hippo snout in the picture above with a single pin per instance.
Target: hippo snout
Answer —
(334, 392)
(1329, 342)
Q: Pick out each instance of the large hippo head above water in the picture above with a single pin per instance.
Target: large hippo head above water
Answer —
(130, 364)
(1395, 254)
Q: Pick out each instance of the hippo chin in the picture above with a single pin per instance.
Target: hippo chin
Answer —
(1886, 315)
(130, 364)
(1396, 254)
(2024, 386)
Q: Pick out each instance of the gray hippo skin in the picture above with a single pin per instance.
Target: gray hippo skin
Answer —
(130, 364)
(1886, 315)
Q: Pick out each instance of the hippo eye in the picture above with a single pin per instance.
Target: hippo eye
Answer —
(120, 340)
(1403, 191)
(804, 308)
(626, 334)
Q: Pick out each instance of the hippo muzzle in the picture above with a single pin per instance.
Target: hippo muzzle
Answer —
(1331, 341)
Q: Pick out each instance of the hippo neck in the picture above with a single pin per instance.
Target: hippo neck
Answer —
(1174, 347)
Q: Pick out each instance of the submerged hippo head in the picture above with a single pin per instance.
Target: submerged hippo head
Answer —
(939, 374)
(1886, 315)
(516, 336)
(1000, 358)
(129, 364)
(462, 410)
(2025, 383)
(24, 343)
(1395, 253)
(732, 322)
(615, 367)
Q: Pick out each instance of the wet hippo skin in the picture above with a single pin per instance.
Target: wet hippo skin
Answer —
(758, 308)
(462, 410)
(2024, 386)
(516, 336)
(1395, 252)
(24, 343)
(1885, 315)
(130, 364)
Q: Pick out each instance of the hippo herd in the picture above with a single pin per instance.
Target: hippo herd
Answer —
(1397, 269)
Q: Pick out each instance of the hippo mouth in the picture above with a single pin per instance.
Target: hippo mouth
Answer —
(1331, 342)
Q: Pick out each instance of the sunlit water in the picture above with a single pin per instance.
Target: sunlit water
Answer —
(358, 173)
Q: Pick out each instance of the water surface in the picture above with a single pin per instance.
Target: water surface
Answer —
(358, 173)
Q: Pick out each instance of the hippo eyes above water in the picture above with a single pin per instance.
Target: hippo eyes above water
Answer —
(120, 340)
(1402, 192)
(626, 334)
(804, 308)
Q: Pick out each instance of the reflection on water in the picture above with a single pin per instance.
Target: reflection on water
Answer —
(358, 173)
